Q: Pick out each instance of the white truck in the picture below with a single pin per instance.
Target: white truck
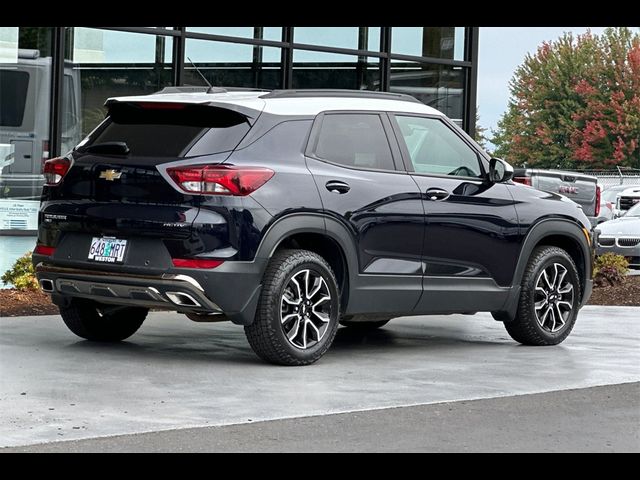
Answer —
(25, 103)
(627, 199)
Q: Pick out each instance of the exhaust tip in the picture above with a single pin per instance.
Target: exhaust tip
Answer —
(46, 285)
(183, 299)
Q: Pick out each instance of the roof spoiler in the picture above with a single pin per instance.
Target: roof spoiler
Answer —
(250, 114)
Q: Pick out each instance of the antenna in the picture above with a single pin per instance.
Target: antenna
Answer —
(203, 77)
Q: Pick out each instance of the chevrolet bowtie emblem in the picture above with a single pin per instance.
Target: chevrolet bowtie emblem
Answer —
(110, 175)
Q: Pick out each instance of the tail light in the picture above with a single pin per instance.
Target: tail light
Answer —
(44, 250)
(55, 169)
(523, 180)
(196, 263)
(598, 200)
(220, 179)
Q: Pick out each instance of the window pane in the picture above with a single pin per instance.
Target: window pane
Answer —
(167, 133)
(439, 86)
(25, 102)
(13, 97)
(265, 33)
(355, 140)
(233, 64)
(107, 63)
(435, 148)
(357, 38)
(439, 42)
(332, 70)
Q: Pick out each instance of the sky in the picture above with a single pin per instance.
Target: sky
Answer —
(501, 50)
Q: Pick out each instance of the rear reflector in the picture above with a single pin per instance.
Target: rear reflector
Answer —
(220, 179)
(44, 250)
(196, 263)
(55, 169)
(523, 180)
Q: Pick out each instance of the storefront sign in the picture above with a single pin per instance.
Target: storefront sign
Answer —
(18, 214)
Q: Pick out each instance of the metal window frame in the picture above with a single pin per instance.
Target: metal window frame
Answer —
(287, 45)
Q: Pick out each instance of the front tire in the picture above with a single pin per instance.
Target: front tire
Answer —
(100, 323)
(549, 299)
(298, 310)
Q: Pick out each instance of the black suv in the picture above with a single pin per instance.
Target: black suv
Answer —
(290, 212)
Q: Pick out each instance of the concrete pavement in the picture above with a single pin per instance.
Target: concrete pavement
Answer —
(597, 419)
(175, 374)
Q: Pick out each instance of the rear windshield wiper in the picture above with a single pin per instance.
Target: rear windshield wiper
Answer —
(109, 148)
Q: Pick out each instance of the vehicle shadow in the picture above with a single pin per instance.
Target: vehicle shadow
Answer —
(228, 345)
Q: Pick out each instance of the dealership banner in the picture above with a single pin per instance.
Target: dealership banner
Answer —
(19, 214)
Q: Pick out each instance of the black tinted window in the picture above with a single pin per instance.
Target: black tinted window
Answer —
(354, 140)
(435, 148)
(13, 97)
(172, 131)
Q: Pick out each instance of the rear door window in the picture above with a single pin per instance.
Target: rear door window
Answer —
(13, 97)
(354, 140)
(171, 130)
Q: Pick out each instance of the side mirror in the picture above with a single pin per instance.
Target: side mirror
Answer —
(499, 171)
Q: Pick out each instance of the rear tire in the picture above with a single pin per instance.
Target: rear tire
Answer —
(310, 316)
(549, 299)
(100, 323)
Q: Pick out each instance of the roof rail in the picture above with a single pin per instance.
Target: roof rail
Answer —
(301, 93)
(205, 89)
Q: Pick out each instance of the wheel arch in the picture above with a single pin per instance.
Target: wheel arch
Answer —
(318, 233)
(555, 232)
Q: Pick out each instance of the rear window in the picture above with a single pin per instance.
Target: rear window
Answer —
(13, 97)
(171, 130)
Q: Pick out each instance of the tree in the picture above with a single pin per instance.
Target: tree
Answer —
(576, 102)
(481, 132)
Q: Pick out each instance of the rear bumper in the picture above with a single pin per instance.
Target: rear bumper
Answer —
(232, 290)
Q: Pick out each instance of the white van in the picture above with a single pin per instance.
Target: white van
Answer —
(25, 102)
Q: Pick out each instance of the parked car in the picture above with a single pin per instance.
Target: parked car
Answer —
(24, 121)
(582, 189)
(289, 212)
(627, 199)
(621, 236)
(609, 203)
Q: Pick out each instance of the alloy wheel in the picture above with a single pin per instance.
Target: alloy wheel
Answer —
(554, 297)
(305, 309)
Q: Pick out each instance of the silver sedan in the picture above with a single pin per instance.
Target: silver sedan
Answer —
(621, 236)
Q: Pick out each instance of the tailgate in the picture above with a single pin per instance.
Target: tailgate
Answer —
(115, 188)
(577, 187)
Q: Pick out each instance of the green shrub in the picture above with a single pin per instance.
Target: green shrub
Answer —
(21, 275)
(610, 269)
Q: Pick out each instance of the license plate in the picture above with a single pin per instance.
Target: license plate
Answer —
(107, 249)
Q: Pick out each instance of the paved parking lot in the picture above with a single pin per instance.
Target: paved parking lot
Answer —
(175, 374)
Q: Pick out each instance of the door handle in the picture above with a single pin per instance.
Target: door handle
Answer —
(336, 186)
(437, 194)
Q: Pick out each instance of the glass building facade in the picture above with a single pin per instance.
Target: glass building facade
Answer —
(55, 80)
